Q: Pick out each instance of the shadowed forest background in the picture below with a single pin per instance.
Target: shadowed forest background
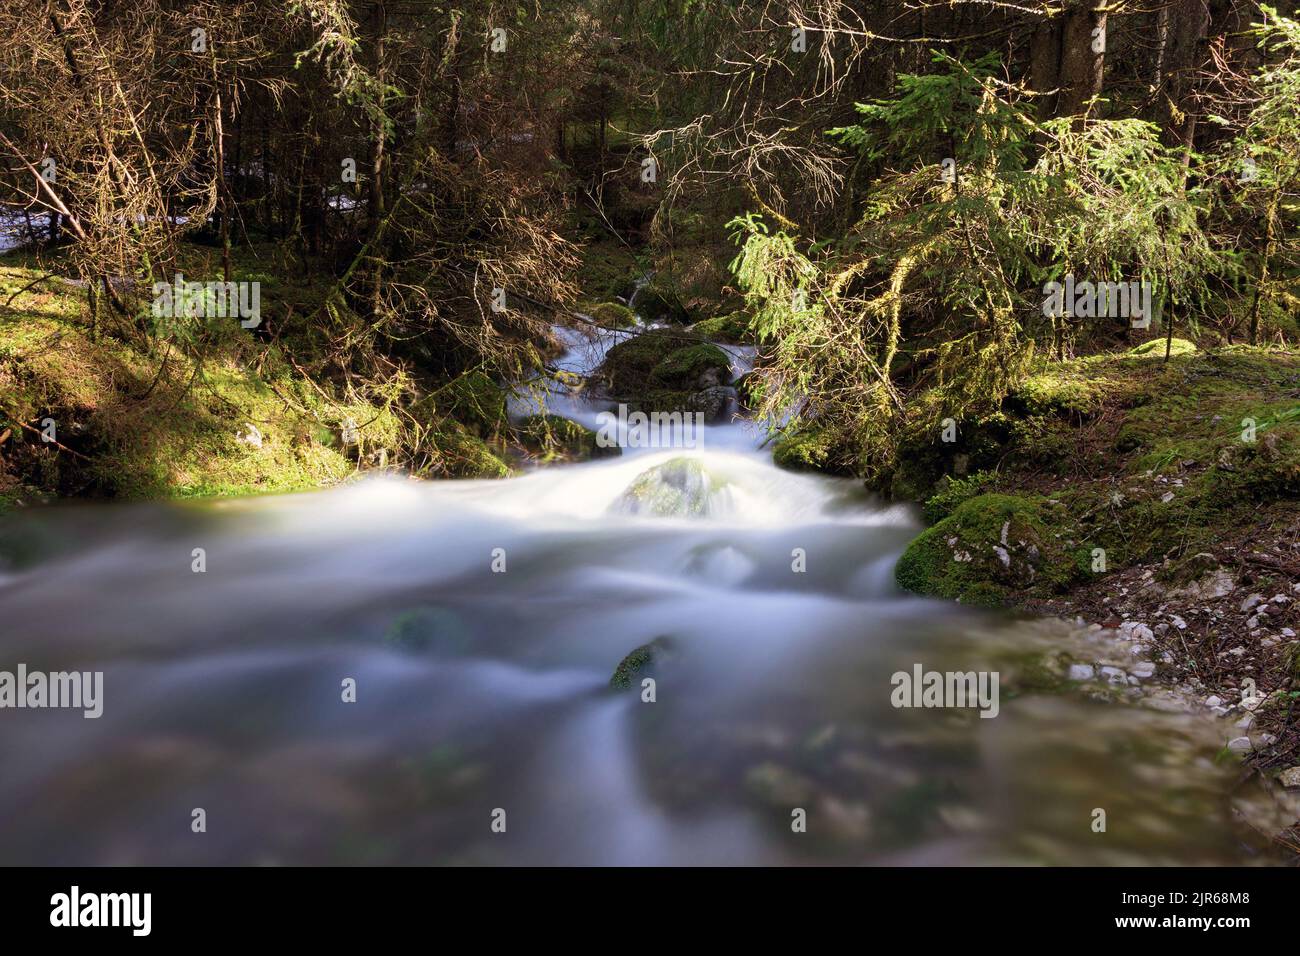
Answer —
(381, 169)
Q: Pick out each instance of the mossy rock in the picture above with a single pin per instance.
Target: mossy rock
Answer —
(924, 459)
(628, 365)
(465, 455)
(1156, 348)
(990, 546)
(477, 402)
(731, 329)
(806, 449)
(1055, 392)
(658, 301)
(428, 629)
(655, 365)
(953, 492)
(613, 315)
(693, 367)
(560, 439)
(679, 488)
(640, 661)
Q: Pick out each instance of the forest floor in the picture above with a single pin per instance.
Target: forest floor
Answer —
(1158, 499)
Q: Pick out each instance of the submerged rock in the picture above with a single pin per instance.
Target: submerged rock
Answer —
(640, 660)
(779, 786)
(681, 487)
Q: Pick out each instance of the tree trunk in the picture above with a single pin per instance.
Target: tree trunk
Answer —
(1083, 57)
(376, 204)
(1184, 54)
(1045, 66)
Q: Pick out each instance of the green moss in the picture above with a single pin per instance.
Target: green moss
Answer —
(464, 455)
(683, 368)
(659, 300)
(475, 400)
(1156, 348)
(732, 329)
(559, 439)
(628, 364)
(989, 546)
(1058, 390)
(805, 449)
(150, 424)
(607, 269)
(640, 660)
(612, 315)
(953, 492)
(658, 370)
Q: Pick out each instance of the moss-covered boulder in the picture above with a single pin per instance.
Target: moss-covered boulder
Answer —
(477, 402)
(429, 629)
(1156, 348)
(659, 301)
(627, 366)
(692, 367)
(989, 546)
(679, 488)
(732, 328)
(659, 370)
(560, 439)
(461, 454)
(1056, 391)
(613, 315)
(806, 449)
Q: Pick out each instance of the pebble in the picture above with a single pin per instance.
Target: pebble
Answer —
(1136, 631)
(1213, 701)
(1081, 672)
(1114, 675)
(1250, 602)
(1290, 778)
(1144, 669)
(1239, 745)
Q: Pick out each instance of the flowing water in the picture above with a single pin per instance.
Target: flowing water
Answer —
(482, 621)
